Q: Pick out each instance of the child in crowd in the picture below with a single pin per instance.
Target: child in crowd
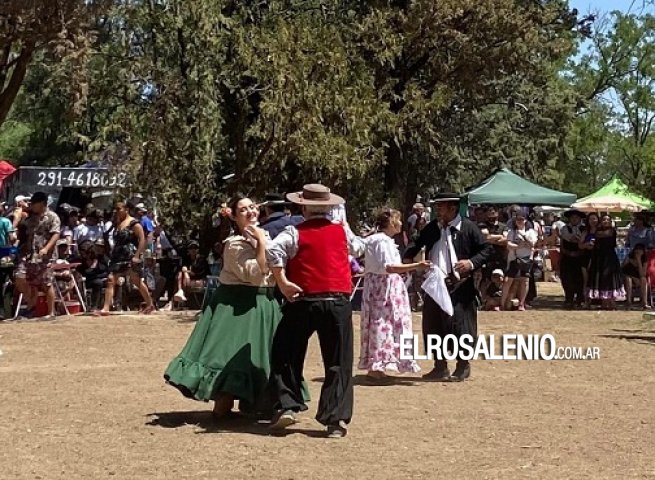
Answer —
(63, 276)
(493, 294)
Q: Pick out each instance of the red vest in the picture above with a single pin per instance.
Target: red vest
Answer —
(321, 264)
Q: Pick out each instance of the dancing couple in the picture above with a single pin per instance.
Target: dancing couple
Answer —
(246, 347)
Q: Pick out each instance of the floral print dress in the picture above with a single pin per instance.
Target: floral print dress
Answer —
(386, 312)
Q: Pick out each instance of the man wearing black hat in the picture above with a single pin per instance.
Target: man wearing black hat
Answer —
(276, 217)
(571, 260)
(456, 246)
(41, 232)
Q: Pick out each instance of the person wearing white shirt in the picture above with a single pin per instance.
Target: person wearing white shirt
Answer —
(520, 243)
(386, 313)
(92, 230)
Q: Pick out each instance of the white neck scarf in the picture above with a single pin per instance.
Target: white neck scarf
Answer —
(445, 257)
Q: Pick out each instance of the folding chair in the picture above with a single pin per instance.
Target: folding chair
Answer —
(210, 287)
(59, 296)
(357, 279)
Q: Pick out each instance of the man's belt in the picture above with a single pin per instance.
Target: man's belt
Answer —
(326, 296)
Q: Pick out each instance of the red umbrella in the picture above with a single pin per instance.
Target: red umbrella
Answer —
(6, 169)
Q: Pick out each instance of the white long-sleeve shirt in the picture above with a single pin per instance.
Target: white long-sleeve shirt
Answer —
(285, 246)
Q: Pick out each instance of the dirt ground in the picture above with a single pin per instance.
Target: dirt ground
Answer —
(83, 397)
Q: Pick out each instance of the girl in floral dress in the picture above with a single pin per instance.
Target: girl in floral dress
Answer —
(386, 313)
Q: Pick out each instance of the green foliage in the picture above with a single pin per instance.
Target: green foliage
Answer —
(616, 80)
(14, 137)
(381, 100)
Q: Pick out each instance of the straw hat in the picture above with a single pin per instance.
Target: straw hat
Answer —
(315, 194)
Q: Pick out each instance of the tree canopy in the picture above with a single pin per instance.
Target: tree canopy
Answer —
(382, 100)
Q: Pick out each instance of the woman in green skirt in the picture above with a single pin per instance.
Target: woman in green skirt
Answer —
(227, 356)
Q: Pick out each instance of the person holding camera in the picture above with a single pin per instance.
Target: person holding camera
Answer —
(521, 240)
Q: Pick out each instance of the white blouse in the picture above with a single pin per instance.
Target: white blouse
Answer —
(240, 265)
(381, 251)
(514, 236)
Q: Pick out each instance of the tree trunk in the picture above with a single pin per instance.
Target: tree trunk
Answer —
(8, 95)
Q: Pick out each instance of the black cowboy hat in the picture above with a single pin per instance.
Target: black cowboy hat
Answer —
(274, 199)
(446, 197)
(574, 211)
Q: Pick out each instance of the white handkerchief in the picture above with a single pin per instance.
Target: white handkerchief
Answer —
(435, 286)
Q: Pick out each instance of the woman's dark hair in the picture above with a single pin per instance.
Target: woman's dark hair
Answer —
(85, 245)
(592, 214)
(385, 216)
(643, 217)
(232, 205)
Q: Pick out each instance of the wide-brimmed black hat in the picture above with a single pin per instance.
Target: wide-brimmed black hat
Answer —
(574, 211)
(446, 197)
(274, 199)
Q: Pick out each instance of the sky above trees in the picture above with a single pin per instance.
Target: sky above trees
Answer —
(585, 6)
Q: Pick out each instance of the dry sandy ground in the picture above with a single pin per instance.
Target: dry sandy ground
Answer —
(84, 398)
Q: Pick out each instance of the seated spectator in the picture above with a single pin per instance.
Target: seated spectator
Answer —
(92, 230)
(193, 274)
(635, 272)
(69, 222)
(215, 259)
(493, 294)
(95, 270)
(63, 276)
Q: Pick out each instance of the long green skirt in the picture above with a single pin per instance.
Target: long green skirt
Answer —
(229, 348)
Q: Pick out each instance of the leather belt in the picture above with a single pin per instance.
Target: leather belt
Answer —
(327, 296)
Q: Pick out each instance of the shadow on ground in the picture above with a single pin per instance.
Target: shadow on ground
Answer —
(633, 335)
(363, 380)
(232, 423)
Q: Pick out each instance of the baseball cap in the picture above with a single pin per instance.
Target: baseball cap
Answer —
(498, 271)
(140, 207)
(39, 197)
(21, 198)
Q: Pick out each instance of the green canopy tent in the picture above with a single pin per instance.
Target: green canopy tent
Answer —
(505, 187)
(614, 196)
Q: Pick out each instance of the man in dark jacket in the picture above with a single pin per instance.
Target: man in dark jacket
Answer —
(277, 218)
(456, 246)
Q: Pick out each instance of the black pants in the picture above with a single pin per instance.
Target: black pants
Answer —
(332, 320)
(571, 278)
(437, 322)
